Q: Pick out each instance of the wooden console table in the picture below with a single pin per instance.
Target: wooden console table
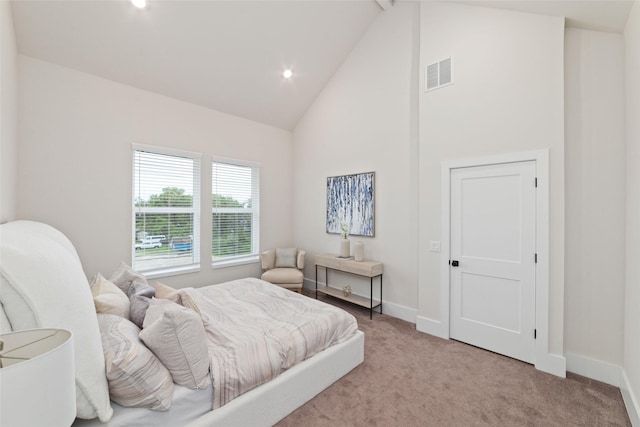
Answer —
(370, 269)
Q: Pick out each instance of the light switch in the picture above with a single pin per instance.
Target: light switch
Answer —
(434, 246)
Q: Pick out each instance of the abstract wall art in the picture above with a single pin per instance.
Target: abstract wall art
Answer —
(350, 202)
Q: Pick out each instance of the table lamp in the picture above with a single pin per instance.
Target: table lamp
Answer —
(37, 379)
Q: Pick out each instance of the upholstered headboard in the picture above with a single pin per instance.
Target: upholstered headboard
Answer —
(43, 285)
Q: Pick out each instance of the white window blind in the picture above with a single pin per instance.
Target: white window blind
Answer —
(235, 211)
(166, 209)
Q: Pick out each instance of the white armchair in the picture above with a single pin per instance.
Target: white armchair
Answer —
(283, 267)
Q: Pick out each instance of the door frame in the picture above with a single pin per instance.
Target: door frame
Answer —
(542, 359)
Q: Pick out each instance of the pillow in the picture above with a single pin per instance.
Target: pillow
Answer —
(139, 306)
(108, 298)
(167, 292)
(286, 258)
(132, 283)
(136, 377)
(176, 335)
(43, 286)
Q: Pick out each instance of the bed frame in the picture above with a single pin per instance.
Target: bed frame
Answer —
(269, 403)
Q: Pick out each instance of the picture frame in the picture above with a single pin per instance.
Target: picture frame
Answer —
(351, 202)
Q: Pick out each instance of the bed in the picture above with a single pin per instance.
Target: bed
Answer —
(303, 345)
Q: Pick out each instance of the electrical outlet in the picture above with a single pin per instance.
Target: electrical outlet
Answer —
(434, 246)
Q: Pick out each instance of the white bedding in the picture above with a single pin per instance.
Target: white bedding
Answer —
(187, 405)
(256, 330)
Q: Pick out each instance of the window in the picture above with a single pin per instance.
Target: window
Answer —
(235, 211)
(166, 210)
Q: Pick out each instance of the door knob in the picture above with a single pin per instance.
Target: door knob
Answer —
(454, 263)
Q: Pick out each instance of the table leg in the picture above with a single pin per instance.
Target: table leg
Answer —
(381, 294)
(371, 303)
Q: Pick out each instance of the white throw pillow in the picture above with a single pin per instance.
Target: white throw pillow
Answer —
(176, 335)
(44, 286)
(108, 298)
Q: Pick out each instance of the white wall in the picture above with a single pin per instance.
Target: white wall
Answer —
(8, 115)
(75, 162)
(507, 96)
(365, 120)
(595, 196)
(631, 384)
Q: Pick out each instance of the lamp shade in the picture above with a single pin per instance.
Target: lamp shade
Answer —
(37, 382)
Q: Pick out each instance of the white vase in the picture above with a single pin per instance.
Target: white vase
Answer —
(358, 251)
(344, 248)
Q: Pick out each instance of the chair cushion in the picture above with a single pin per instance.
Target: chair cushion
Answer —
(283, 276)
(286, 257)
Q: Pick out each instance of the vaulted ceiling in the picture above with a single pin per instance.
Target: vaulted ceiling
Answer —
(230, 55)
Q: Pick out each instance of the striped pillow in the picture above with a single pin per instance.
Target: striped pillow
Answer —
(135, 376)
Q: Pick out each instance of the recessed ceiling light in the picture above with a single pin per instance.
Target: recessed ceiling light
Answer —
(140, 4)
(287, 73)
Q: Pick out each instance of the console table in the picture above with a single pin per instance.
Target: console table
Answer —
(370, 269)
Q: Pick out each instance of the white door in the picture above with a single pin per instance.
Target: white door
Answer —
(492, 267)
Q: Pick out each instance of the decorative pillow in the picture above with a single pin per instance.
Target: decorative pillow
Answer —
(139, 306)
(188, 302)
(132, 283)
(286, 258)
(108, 298)
(167, 292)
(176, 335)
(43, 286)
(136, 377)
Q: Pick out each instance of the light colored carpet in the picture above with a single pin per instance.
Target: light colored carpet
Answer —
(410, 378)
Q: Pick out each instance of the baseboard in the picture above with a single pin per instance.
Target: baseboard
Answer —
(389, 308)
(309, 284)
(431, 327)
(400, 311)
(552, 364)
(598, 370)
(630, 401)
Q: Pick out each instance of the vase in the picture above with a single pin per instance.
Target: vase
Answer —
(358, 251)
(344, 248)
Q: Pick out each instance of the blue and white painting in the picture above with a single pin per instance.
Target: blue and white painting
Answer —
(350, 203)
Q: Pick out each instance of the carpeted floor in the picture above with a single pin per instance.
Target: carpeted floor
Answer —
(410, 378)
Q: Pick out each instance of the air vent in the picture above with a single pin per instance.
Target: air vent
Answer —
(432, 76)
(438, 74)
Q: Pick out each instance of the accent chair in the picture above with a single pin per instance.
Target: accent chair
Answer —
(283, 267)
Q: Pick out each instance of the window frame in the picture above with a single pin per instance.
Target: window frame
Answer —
(195, 209)
(254, 256)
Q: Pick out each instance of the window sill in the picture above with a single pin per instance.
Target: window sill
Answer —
(224, 263)
(173, 271)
